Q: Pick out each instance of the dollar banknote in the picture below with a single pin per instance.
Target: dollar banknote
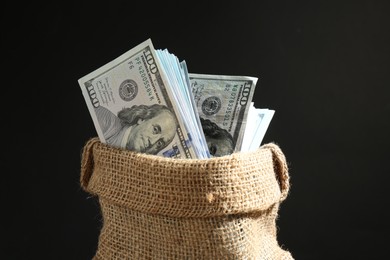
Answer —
(132, 107)
(257, 124)
(178, 77)
(223, 103)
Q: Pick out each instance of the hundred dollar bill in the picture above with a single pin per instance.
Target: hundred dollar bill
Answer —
(131, 105)
(178, 75)
(257, 124)
(223, 104)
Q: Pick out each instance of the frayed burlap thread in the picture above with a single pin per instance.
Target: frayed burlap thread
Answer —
(162, 208)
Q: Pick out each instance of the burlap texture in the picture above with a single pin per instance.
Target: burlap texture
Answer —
(162, 208)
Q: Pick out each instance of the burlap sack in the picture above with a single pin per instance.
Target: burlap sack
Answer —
(162, 208)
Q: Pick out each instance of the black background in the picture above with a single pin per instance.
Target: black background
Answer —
(323, 66)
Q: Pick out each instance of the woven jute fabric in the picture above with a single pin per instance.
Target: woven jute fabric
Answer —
(163, 208)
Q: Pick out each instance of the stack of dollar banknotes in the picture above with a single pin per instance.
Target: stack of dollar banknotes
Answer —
(146, 101)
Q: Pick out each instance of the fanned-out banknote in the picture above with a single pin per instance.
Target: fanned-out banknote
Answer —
(181, 88)
(132, 105)
(223, 104)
